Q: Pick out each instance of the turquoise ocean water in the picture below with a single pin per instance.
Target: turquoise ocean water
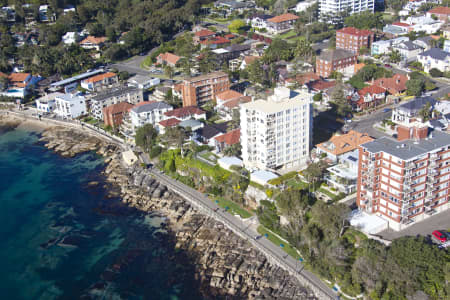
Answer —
(61, 238)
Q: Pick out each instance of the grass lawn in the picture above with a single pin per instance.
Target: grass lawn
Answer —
(288, 34)
(233, 207)
(209, 156)
(277, 241)
(328, 193)
(257, 185)
(297, 184)
(90, 120)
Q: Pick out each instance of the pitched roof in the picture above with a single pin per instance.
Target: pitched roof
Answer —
(304, 78)
(435, 53)
(117, 108)
(261, 16)
(355, 31)
(440, 10)
(235, 102)
(184, 112)
(228, 95)
(371, 89)
(401, 24)
(204, 33)
(100, 77)
(229, 138)
(335, 54)
(169, 57)
(230, 36)
(340, 144)
(395, 84)
(413, 106)
(283, 18)
(408, 45)
(217, 40)
(169, 122)
(321, 85)
(211, 130)
(18, 77)
(147, 106)
(93, 40)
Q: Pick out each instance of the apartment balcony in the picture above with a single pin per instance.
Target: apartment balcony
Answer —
(407, 220)
(434, 157)
(433, 164)
(410, 166)
(431, 180)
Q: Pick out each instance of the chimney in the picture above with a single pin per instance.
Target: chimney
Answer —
(413, 132)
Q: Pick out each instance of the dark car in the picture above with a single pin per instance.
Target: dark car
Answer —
(441, 236)
(387, 66)
(386, 110)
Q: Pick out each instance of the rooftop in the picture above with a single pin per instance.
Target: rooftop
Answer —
(169, 122)
(18, 77)
(169, 57)
(150, 106)
(228, 95)
(440, 10)
(69, 97)
(409, 149)
(355, 31)
(184, 112)
(114, 92)
(283, 18)
(371, 89)
(100, 77)
(207, 76)
(117, 108)
(93, 40)
(416, 104)
(76, 78)
(279, 103)
(204, 33)
(340, 144)
(193, 124)
(336, 54)
(229, 138)
(436, 53)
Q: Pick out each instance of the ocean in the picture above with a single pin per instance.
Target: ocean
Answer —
(61, 237)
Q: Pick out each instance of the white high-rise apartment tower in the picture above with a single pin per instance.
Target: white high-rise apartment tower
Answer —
(335, 7)
(276, 134)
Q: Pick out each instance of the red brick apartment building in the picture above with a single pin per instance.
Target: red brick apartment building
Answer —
(339, 60)
(352, 39)
(406, 180)
(113, 114)
(201, 89)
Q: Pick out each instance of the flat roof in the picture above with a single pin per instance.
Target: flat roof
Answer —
(262, 176)
(409, 149)
(76, 78)
(270, 106)
(230, 161)
(369, 224)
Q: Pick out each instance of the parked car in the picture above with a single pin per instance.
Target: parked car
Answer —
(387, 65)
(441, 236)
(386, 110)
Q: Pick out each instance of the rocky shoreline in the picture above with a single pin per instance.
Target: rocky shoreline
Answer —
(227, 266)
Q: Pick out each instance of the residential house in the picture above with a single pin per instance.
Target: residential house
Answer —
(343, 176)
(424, 24)
(353, 39)
(168, 59)
(113, 96)
(113, 114)
(44, 14)
(8, 14)
(394, 85)
(143, 82)
(424, 42)
(281, 23)
(408, 50)
(403, 181)
(208, 132)
(202, 35)
(19, 84)
(440, 12)
(215, 42)
(47, 103)
(247, 61)
(202, 89)
(227, 140)
(70, 106)
(338, 60)
(435, 58)
(304, 5)
(446, 32)
(70, 38)
(167, 123)
(148, 112)
(397, 28)
(229, 100)
(231, 6)
(100, 82)
(259, 21)
(384, 47)
(186, 113)
(92, 42)
(368, 97)
(408, 113)
(338, 145)
(447, 46)
(301, 79)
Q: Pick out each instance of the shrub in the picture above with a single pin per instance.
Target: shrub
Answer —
(269, 193)
(155, 151)
(283, 178)
(435, 73)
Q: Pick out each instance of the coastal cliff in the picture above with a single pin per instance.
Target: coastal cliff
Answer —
(227, 266)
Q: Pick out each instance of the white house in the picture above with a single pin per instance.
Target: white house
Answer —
(304, 5)
(259, 21)
(408, 50)
(424, 24)
(19, 84)
(383, 47)
(447, 46)
(70, 38)
(46, 104)
(70, 106)
(143, 82)
(150, 112)
(435, 58)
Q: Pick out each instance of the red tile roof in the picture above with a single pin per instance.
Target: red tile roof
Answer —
(169, 57)
(394, 85)
(204, 33)
(228, 95)
(321, 85)
(100, 77)
(215, 41)
(3, 74)
(230, 36)
(340, 144)
(184, 112)
(169, 122)
(440, 10)
(401, 24)
(18, 77)
(355, 31)
(283, 18)
(229, 138)
(117, 108)
(235, 102)
(372, 89)
(304, 78)
(93, 40)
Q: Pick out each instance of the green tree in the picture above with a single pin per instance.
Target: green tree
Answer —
(146, 136)
(340, 100)
(395, 56)
(256, 72)
(169, 71)
(425, 112)
(236, 26)
(318, 97)
(365, 20)
(415, 87)
(303, 49)
(435, 72)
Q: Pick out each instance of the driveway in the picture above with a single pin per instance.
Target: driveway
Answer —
(423, 228)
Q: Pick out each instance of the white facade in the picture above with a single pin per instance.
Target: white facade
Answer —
(333, 7)
(47, 103)
(143, 82)
(149, 113)
(70, 37)
(277, 133)
(435, 58)
(70, 106)
(425, 24)
(302, 6)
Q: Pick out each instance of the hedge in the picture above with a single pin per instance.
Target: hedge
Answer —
(283, 178)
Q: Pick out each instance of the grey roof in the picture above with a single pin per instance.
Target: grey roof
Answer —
(425, 39)
(409, 149)
(235, 4)
(114, 92)
(140, 79)
(151, 106)
(190, 123)
(415, 105)
(69, 97)
(76, 78)
(408, 45)
(336, 54)
(209, 131)
(437, 124)
(261, 16)
(436, 53)
(237, 47)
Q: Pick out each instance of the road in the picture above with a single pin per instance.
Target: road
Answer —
(132, 65)
(200, 200)
(365, 123)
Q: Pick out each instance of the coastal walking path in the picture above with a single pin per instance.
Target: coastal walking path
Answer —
(273, 252)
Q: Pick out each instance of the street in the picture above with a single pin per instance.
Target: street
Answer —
(132, 65)
(365, 123)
